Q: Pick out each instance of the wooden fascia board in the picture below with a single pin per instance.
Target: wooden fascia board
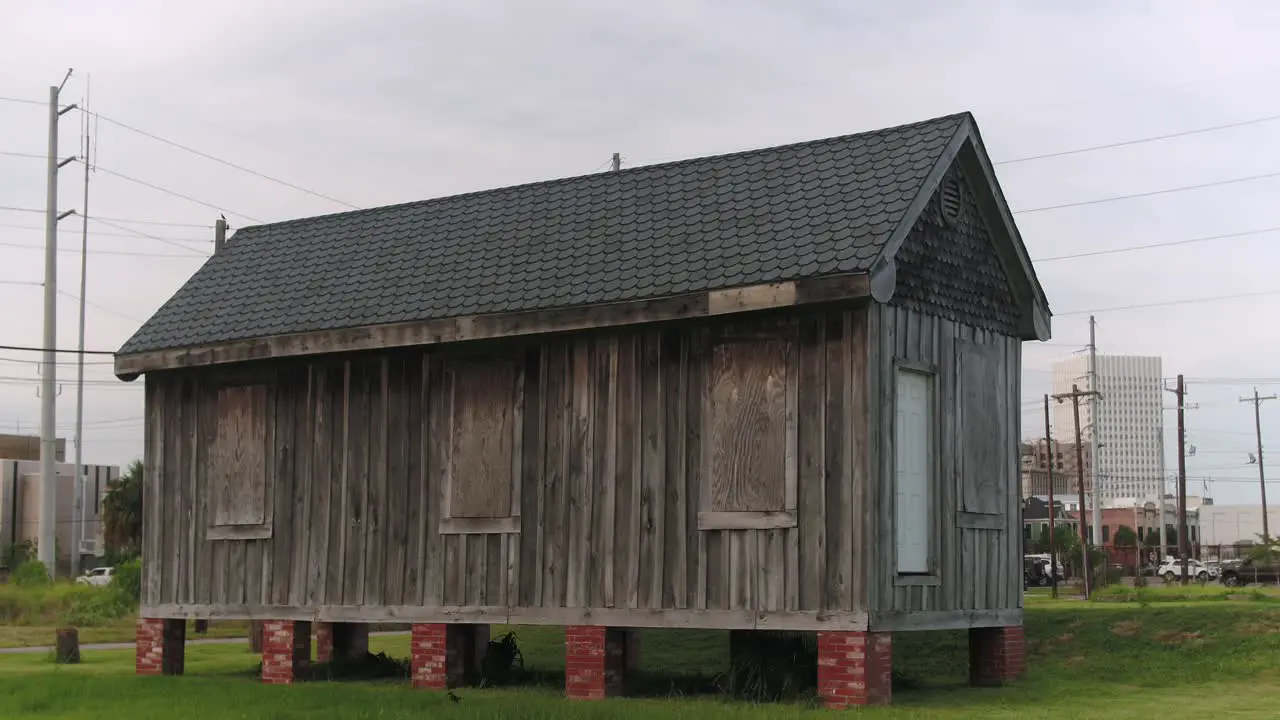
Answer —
(791, 293)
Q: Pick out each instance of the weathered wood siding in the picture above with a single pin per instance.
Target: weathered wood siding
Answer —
(977, 543)
(611, 468)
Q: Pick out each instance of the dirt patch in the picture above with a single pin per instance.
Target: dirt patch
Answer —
(1180, 638)
(1127, 629)
(1066, 638)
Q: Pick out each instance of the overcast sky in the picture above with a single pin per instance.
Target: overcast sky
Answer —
(388, 101)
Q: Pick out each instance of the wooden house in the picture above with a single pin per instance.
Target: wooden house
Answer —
(770, 390)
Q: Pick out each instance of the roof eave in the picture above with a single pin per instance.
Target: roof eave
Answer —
(750, 298)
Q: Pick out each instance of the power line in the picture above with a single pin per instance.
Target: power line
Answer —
(67, 363)
(102, 233)
(76, 251)
(1139, 141)
(1189, 301)
(139, 233)
(119, 220)
(23, 348)
(174, 193)
(1150, 193)
(21, 100)
(11, 153)
(207, 156)
(21, 282)
(1170, 243)
(103, 308)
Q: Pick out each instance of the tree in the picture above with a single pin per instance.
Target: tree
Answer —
(1125, 537)
(122, 512)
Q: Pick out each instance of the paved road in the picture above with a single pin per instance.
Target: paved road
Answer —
(130, 646)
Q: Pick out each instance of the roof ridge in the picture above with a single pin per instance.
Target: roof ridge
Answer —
(965, 114)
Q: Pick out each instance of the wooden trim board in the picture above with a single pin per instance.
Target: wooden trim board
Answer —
(476, 327)
(497, 614)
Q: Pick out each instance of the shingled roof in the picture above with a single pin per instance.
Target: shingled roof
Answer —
(783, 213)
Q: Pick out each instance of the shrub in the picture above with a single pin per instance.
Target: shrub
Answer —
(127, 579)
(92, 606)
(31, 573)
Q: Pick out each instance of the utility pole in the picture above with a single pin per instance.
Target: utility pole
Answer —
(1181, 392)
(46, 548)
(1053, 552)
(1262, 476)
(77, 508)
(617, 161)
(1075, 395)
(1093, 435)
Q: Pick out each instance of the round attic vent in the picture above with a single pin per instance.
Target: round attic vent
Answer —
(951, 199)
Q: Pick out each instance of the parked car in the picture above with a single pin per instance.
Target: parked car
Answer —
(1171, 570)
(1242, 572)
(1035, 572)
(98, 577)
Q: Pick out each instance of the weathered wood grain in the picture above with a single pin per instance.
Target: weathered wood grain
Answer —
(652, 471)
(240, 456)
(748, 426)
(483, 427)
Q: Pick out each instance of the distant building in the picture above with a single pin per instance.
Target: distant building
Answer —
(1034, 462)
(20, 505)
(1236, 524)
(27, 447)
(1128, 421)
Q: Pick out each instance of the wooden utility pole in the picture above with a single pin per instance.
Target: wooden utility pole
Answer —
(1181, 392)
(1075, 395)
(1053, 557)
(1262, 476)
(616, 162)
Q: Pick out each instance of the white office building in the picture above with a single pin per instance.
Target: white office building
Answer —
(1128, 420)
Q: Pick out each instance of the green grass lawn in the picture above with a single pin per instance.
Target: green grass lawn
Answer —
(1116, 660)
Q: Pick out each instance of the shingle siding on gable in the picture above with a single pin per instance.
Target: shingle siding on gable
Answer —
(951, 270)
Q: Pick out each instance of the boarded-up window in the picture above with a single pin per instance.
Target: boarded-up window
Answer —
(750, 434)
(238, 489)
(982, 434)
(481, 490)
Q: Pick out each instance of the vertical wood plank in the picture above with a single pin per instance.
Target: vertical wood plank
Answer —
(554, 532)
(627, 499)
(304, 438)
(320, 479)
(532, 493)
(199, 469)
(495, 570)
(153, 479)
(396, 496)
(836, 470)
(604, 474)
(415, 444)
(455, 570)
(691, 370)
(811, 444)
(375, 550)
(171, 460)
(652, 471)
(578, 503)
(859, 453)
(675, 538)
(435, 393)
(948, 542)
(190, 438)
(353, 579)
(340, 506)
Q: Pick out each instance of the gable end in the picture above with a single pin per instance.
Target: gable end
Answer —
(948, 265)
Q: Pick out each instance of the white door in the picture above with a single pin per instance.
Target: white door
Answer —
(913, 440)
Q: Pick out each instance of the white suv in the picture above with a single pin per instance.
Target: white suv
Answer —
(1171, 570)
(98, 577)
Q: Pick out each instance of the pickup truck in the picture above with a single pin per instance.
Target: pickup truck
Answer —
(1242, 572)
